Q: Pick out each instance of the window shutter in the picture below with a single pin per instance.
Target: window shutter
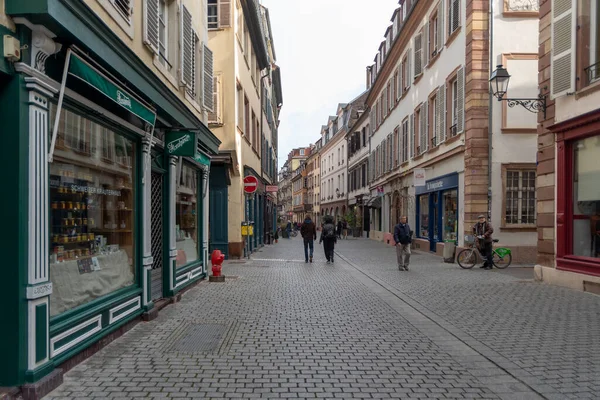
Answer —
(400, 80)
(426, 45)
(460, 106)
(440, 31)
(411, 134)
(437, 133)
(214, 116)
(186, 32)
(224, 13)
(423, 128)
(408, 68)
(562, 73)
(418, 54)
(208, 81)
(441, 100)
(151, 12)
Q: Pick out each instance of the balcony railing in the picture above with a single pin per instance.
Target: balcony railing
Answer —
(593, 72)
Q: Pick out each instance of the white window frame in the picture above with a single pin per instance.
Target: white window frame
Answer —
(453, 17)
(215, 16)
(594, 38)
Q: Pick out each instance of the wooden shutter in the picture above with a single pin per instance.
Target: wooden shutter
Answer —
(418, 54)
(224, 13)
(425, 45)
(186, 33)
(214, 116)
(440, 32)
(411, 136)
(460, 106)
(423, 127)
(562, 73)
(438, 133)
(151, 24)
(408, 68)
(443, 112)
(208, 82)
(400, 80)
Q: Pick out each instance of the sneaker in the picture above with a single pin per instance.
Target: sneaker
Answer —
(306, 261)
(406, 267)
(328, 262)
(400, 267)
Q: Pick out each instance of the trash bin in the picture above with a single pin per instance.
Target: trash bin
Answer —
(449, 250)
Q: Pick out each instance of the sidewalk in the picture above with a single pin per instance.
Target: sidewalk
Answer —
(280, 328)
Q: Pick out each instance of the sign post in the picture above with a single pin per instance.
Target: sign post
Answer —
(250, 186)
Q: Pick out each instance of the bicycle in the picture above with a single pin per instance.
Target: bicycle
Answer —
(293, 233)
(470, 256)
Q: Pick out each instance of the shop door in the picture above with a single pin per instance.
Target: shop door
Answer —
(434, 217)
(218, 220)
(156, 233)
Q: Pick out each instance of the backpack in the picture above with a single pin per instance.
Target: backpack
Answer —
(329, 231)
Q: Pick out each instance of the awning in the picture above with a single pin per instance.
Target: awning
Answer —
(83, 70)
(376, 202)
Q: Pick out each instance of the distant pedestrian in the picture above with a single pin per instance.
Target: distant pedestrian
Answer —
(403, 239)
(309, 234)
(288, 229)
(344, 229)
(339, 229)
(328, 238)
(483, 231)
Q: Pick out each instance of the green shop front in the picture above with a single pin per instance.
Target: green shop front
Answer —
(108, 174)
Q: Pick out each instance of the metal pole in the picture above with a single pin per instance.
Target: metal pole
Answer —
(490, 114)
(247, 242)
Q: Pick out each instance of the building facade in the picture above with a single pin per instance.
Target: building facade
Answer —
(300, 192)
(568, 171)
(110, 153)
(358, 166)
(443, 150)
(249, 98)
(313, 184)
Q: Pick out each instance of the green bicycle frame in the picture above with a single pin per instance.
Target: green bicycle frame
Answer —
(502, 251)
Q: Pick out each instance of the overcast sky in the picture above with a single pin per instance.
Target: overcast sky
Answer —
(323, 48)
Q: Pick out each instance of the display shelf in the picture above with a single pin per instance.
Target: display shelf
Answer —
(72, 242)
(113, 230)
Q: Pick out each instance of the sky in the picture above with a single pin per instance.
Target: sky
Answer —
(323, 48)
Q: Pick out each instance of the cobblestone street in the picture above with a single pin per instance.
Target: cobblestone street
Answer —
(357, 329)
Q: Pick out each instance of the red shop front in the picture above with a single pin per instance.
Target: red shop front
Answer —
(578, 194)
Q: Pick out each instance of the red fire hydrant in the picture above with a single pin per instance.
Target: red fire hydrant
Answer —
(217, 259)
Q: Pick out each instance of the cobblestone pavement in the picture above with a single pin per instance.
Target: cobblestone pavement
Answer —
(357, 329)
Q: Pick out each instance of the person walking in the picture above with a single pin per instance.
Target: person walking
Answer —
(288, 229)
(403, 239)
(345, 229)
(328, 238)
(308, 230)
(483, 232)
(339, 229)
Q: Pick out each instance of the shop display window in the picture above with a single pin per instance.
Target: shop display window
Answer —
(92, 204)
(450, 210)
(424, 216)
(586, 197)
(186, 215)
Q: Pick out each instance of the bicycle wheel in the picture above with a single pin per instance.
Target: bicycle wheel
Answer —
(467, 258)
(501, 262)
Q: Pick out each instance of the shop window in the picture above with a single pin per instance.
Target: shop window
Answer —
(586, 197)
(186, 215)
(519, 202)
(450, 217)
(424, 216)
(92, 202)
(588, 33)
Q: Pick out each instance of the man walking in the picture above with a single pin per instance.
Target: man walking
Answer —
(328, 238)
(403, 238)
(308, 230)
(483, 231)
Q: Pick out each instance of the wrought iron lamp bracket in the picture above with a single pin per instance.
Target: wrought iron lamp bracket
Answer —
(531, 105)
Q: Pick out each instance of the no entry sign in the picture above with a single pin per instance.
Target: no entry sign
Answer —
(250, 184)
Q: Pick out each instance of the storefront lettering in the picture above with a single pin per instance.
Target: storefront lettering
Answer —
(123, 99)
(95, 190)
(435, 185)
(34, 292)
(176, 144)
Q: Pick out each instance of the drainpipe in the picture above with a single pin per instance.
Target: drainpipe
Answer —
(490, 105)
(264, 205)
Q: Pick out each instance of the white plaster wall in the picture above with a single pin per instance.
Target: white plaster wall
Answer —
(568, 107)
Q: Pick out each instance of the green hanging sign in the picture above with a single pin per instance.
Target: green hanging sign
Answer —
(182, 143)
(84, 71)
(202, 159)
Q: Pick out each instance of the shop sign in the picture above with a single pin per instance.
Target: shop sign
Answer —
(437, 184)
(181, 144)
(380, 191)
(202, 159)
(271, 189)
(84, 71)
(419, 177)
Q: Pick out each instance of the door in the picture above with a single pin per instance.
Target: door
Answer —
(156, 233)
(435, 210)
(218, 220)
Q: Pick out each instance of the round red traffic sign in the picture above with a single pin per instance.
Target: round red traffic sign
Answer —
(250, 184)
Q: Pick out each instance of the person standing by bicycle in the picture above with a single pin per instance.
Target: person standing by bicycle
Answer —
(483, 232)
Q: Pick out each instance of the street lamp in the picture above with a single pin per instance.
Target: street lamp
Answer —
(499, 86)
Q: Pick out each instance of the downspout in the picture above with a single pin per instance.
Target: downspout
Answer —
(490, 105)
(264, 205)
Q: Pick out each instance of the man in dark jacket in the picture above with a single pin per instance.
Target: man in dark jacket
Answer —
(309, 234)
(328, 238)
(403, 238)
(483, 232)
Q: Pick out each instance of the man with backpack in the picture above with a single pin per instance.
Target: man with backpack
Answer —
(308, 230)
(403, 238)
(328, 238)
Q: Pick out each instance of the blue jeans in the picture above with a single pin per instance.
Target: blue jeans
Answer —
(308, 243)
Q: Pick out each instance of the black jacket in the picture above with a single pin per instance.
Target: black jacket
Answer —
(329, 227)
(402, 234)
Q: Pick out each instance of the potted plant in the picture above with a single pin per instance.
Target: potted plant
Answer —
(352, 222)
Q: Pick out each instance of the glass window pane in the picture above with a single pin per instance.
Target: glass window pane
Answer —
(424, 216)
(186, 216)
(586, 197)
(92, 213)
(450, 207)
